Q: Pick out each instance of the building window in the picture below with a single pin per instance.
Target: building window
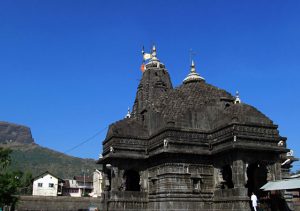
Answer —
(196, 185)
(51, 185)
(72, 190)
(40, 184)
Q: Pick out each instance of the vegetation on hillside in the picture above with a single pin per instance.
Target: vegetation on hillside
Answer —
(38, 159)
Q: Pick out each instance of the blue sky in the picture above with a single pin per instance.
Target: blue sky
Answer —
(70, 68)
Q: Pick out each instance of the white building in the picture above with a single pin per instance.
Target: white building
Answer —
(47, 184)
(97, 183)
(71, 188)
(78, 186)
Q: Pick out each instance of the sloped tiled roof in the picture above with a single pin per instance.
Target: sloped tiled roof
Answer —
(82, 179)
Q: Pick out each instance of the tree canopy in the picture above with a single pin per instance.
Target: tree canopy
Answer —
(11, 182)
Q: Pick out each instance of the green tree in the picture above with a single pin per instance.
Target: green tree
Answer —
(4, 157)
(10, 182)
(25, 184)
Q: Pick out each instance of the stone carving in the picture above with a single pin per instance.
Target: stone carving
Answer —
(269, 173)
(165, 143)
(219, 179)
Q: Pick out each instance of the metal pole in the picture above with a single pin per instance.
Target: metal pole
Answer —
(83, 183)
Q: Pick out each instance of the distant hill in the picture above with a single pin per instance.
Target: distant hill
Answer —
(30, 157)
(14, 133)
(37, 159)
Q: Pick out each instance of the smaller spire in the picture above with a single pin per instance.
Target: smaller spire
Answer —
(153, 54)
(237, 98)
(128, 115)
(153, 48)
(143, 50)
(193, 75)
(193, 69)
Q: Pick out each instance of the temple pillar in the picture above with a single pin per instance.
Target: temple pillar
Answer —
(144, 181)
(271, 172)
(117, 182)
(106, 181)
(238, 173)
(218, 178)
(277, 171)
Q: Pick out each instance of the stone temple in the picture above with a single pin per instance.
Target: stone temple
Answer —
(193, 147)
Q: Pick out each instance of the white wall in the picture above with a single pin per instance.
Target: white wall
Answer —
(97, 183)
(45, 190)
(74, 190)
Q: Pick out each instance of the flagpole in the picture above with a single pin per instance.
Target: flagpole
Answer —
(143, 60)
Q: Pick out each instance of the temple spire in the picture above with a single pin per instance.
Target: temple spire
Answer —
(193, 75)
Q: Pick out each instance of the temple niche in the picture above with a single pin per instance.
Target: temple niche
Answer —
(193, 147)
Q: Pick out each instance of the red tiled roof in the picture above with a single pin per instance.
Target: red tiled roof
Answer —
(82, 179)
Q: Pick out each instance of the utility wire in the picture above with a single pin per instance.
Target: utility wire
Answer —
(86, 140)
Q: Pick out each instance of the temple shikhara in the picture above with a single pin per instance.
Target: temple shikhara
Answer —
(193, 147)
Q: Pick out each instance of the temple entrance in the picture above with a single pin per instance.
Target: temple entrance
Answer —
(257, 177)
(132, 180)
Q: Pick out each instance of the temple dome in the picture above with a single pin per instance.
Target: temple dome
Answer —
(205, 107)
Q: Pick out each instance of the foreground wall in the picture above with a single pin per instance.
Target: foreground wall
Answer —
(59, 203)
(130, 201)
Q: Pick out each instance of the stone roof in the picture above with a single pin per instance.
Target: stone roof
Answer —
(193, 105)
(199, 105)
(127, 126)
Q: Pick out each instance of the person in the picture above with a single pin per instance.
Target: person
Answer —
(254, 201)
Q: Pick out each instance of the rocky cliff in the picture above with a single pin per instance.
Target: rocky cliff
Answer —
(13, 133)
(29, 156)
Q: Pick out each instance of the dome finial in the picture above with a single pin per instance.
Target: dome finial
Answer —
(153, 48)
(193, 69)
(128, 115)
(193, 75)
(153, 53)
(237, 98)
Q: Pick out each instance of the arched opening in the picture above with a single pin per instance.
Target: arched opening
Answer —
(132, 180)
(257, 177)
(143, 116)
(227, 177)
(227, 105)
